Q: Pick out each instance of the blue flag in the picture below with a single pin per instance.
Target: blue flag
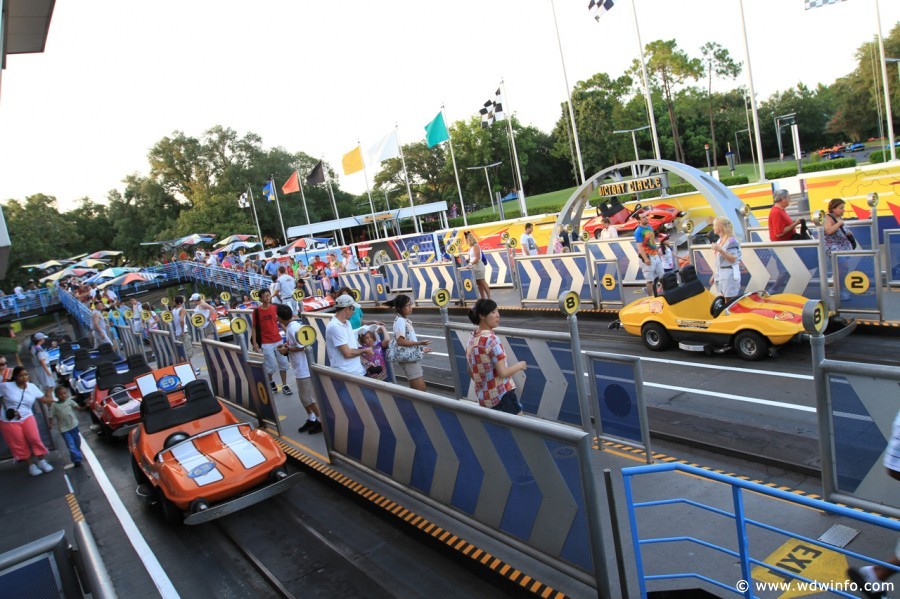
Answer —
(269, 192)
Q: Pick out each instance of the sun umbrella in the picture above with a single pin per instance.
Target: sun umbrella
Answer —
(128, 279)
(105, 254)
(91, 263)
(47, 264)
(110, 273)
(233, 238)
(68, 272)
(237, 245)
(195, 239)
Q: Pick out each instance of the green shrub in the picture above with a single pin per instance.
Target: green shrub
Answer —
(876, 157)
(829, 165)
(781, 173)
(736, 180)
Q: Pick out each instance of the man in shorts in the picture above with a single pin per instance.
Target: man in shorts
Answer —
(265, 337)
(297, 357)
(648, 250)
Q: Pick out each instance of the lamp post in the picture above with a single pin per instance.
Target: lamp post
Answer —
(488, 179)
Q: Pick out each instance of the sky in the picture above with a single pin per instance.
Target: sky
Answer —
(116, 77)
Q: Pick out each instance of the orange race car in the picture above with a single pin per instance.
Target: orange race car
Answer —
(115, 402)
(197, 460)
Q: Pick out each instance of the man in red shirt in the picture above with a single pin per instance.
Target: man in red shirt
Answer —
(266, 337)
(781, 227)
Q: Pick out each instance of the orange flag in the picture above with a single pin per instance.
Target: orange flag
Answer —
(292, 184)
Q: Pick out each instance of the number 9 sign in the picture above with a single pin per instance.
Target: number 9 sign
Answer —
(306, 336)
(441, 297)
(569, 303)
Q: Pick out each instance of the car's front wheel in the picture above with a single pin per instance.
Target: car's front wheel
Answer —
(750, 345)
(655, 336)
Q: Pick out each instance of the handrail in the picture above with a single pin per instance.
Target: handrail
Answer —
(738, 486)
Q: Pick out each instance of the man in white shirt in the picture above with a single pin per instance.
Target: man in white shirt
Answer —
(284, 289)
(607, 231)
(349, 261)
(342, 340)
(529, 247)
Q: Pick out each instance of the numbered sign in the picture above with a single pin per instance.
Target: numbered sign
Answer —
(441, 298)
(309, 268)
(504, 237)
(254, 295)
(379, 288)
(415, 248)
(164, 301)
(145, 315)
(306, 336)
(167, 317)
(585, 236)
(405, 255)
(116, 314)
(225, 296)
(298, 295)
(366, 261)
(106, 314)
(129, 314)
(238, 326)
(467, 284)
(513, 242)
(356, 295)
(569, 228)
(198, 320)
(383, 254)
(569, 303)
(608, 282)
(814, 316)
(856, 282)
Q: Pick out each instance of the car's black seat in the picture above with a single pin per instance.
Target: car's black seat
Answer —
(200, 401)
(690, 286)
(156, 412)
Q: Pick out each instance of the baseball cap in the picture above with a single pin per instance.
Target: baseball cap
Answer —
(345, 301)
(195, 297)
(39, 336)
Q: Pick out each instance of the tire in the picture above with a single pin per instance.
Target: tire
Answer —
(750, 345)
(170, 512)
(655, 336)
(598, 232)
(139, 476)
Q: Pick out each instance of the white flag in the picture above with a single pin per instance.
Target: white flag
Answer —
(807, 4)
(243, 202)
(386, 148)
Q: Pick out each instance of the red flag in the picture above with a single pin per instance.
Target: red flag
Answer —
(292, 184)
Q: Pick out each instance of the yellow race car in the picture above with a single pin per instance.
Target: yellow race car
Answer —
(687, 313)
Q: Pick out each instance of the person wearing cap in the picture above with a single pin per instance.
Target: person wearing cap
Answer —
(342, 340)
(202, 307)
(265, 337)
(43, 375)
(348, 260)
(666, 254)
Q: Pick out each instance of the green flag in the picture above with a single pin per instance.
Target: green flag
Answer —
(436, 131)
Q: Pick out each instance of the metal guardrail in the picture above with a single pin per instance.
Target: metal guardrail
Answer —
(41, 299)
(744, 587)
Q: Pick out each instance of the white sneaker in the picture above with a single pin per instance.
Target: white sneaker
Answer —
(33, 470)
(45, 466)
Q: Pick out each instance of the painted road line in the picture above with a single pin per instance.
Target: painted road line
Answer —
(430, 336)
(804, 377)
(437, 353)
(754, 400)
(152, 565)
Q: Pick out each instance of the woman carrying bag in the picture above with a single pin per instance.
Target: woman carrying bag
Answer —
(18, 425)
(837, 239)
(405, 350)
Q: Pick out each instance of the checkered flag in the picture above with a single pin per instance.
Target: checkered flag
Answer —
(243, 202)
(601, 7)
(807, 4)
(492, 110)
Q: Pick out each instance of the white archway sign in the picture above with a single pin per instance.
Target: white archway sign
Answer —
(722, 200)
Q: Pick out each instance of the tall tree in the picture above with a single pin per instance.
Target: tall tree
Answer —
(718, 63)
(667, 68)
(37, 232)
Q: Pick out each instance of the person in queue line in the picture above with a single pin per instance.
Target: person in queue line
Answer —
(296, 355)
(356, 319)
(607, 231)
(135, 306)
(407, 354)
(99, 324)
(348, 261)
(265, 337)
(284, 287)
(727, 254)
(837, 239)
(201, 306)
(648, 251)
(871, 578)
(342, 340)
(182, 332)
(477, 264)
(17, 422)
(43, 377)
(781, 226)
(529, 245)
(486, 361)
(271, 267)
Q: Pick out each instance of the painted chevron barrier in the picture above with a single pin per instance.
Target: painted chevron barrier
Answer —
(467, 286)
(861, 422)
(857, 281)
(247, 315)
(892, 245)
(362, 281)
(543, 278)
(164, 348)
(241, 384)
(498, 271)
(396, 275)
(128, 340)
(617, 387)
(624, 251)
(786, 267)
(428, 278)
(527, 481)
(380, 288)
(610, 293)
(546, 389)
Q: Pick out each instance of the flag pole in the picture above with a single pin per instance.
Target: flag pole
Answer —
(303, 197)
(884, 79)
(648, 98)
(333, 201)
(523, 209)
(368, 191)
(568, 93)
(406, 177)
(278, 206)
(255, 218)
(759, 151)
(462, 204)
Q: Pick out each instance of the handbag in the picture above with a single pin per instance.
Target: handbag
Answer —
(402, 353)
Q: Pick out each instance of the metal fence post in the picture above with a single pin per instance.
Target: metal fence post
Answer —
(815, 321)
(569, 303)
(441, 298)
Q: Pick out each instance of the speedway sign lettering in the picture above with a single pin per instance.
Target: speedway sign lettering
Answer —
(618, 188)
